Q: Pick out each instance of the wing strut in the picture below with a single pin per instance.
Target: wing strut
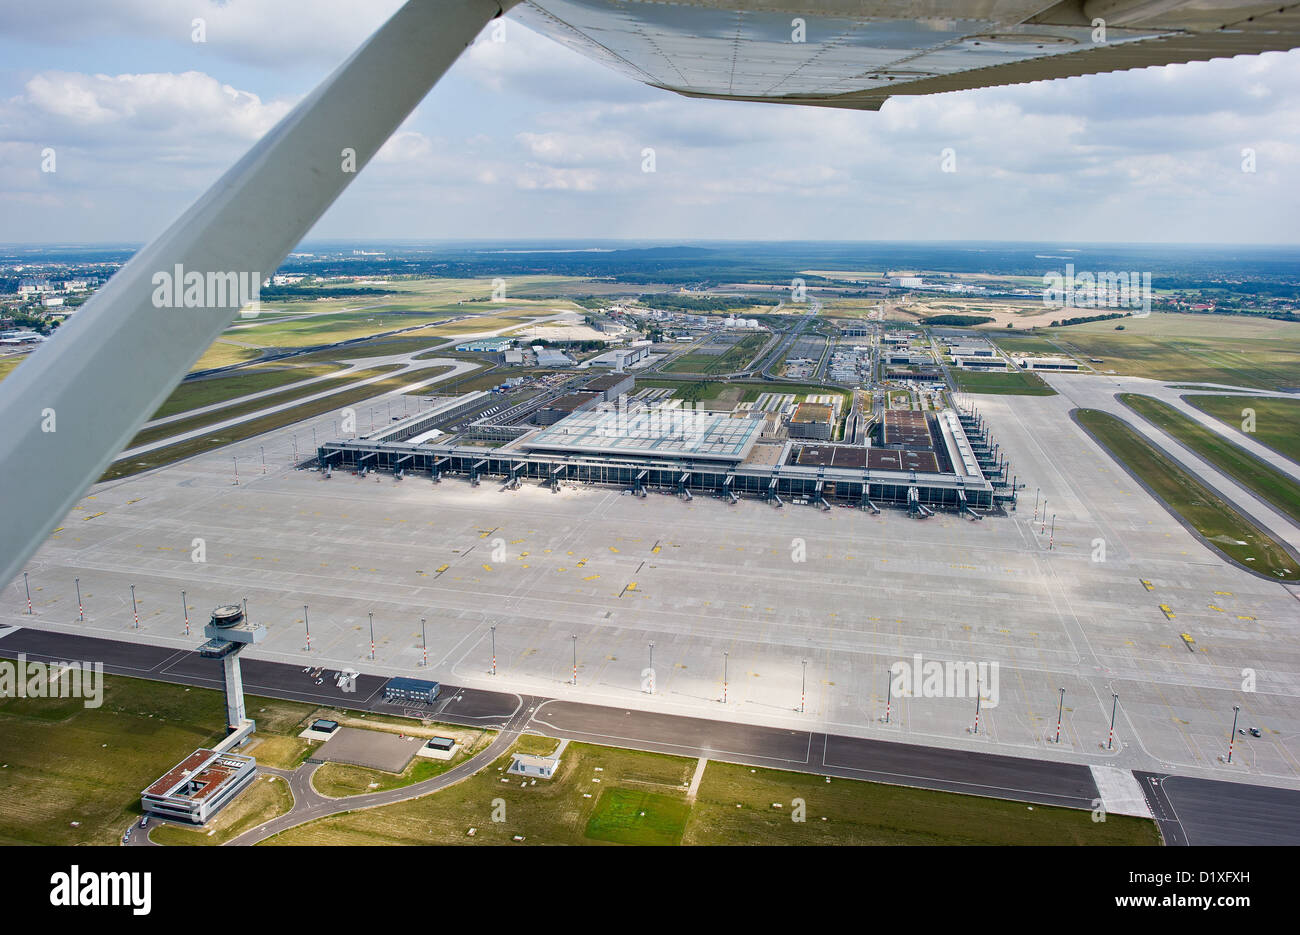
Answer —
(72, 407)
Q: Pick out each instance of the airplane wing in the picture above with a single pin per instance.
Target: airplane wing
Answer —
(841, 53)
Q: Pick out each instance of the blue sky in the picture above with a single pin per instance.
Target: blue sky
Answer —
(526, 139)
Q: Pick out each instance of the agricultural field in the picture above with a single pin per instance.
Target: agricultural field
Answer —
(1222, 527)
(1277, 421)
(604, 795)
(1009, 383)
(1266, 481)
(1232, 350)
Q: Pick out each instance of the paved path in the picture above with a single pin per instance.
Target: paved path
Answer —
(309, 805)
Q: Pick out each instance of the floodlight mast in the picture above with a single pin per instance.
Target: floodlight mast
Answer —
(79, 399)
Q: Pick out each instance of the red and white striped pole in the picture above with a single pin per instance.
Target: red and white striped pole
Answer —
(889, 693)
(724, 677)
(29, 593)
(978, 692)
(185, 609)
(135, 611)
(494, 650)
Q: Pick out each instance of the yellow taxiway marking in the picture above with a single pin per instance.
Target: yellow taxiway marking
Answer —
(93, 515)
(1146, 584)
(487, 567)
(1224, 593)
(1164, 608)
(441, 568)
(631, 586)
(591, 577)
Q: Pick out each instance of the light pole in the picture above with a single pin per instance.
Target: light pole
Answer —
(1036, 489)
(306, 626)
(724, 676)
(81, 610)
(652, 667)
(575, 659)
(1233, 736)
(372, 635)
(803, 687)
(1043, 528)
(889, 692)
(1060, 708)
(236, 460)
(28, 589)
(246, 610)
(424, 642)
(185, 612)
(1113, 705)
(135, 611)
(262, 451)
(494, 649)
(979, 690)
(1052, 538)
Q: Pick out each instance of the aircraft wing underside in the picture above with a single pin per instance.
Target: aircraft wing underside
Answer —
(836, 53)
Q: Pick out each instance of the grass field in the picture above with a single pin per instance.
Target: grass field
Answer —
(1266, 481)
(63, 763)
(193, 446)
(1277, 421)
(608, 795)
(1025, 344)
(738, 804)
(1233, 350)
(1223, 527)
(733, 359)
(1010, 383)
(268, 797)
(206, 392)
(237, 408)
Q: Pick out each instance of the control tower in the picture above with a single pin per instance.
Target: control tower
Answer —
(228, 633)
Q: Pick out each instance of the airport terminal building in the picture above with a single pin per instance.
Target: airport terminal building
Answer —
(927, 460)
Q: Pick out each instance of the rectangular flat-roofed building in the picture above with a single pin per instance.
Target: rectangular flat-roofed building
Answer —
(906, 428)
(419, 691)
(649, 433)
(811, 420)
(611, 385)
(199, 786)
(565, 406)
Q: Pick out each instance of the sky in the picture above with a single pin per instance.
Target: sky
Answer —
(526, 139)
